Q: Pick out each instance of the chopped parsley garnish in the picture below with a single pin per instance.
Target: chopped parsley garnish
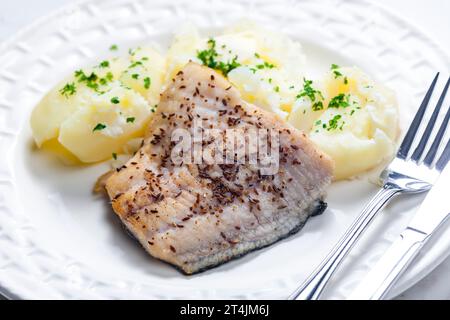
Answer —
(115, 100)
(68, 90)
(277, 89)
(114, 47)
(91, 80)
(265, 65)
(209, 57)
(104, 64)
(227, 67)
(131, 119)
(135, 64)
(144, 58)
(135, 76)
(345, 80)
(313, 95)
(99, 126)
(317, 106)
(154, 108)
(334, 66)
(147, 83)
(114, 155)
(109, 77)
(333, 123)
(340, 101)
(337, 74)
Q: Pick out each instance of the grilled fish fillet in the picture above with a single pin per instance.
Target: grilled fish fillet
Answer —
(197, 216)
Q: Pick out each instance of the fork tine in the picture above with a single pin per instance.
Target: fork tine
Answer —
(442, 162)
(409, 137)
(426, 134)
(437, 141)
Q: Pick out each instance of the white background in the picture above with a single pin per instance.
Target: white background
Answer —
(431, 15)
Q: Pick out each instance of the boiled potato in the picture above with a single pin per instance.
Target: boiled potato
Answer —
(122, 121)
(118, 95)
(146, 78)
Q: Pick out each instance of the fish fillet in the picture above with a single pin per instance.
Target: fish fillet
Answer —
(197, 216)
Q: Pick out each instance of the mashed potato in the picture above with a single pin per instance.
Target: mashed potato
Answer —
(357, 123)
(96, 111)
(265, 66)
(102, 111)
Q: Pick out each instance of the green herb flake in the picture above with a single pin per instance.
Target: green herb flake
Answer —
(225, 68)
(135, 76)
(104, 64)
(108, 78)
(130, 119)
(68, 90)
(209, 58)
(333, 123)
(135, 64)
(317, 106)
(340, 101)
(114, 155)
(98, 127)
(115, 100)
(114, 47)
(90, 81)
(277, 89)
(336, 73)
(313, 95)
(147, 83)
(265, 65)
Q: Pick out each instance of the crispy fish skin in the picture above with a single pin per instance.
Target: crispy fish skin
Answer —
(196, 216)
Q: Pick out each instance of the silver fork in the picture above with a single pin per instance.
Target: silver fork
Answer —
(407, 173)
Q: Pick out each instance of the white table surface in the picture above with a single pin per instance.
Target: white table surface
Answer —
(431, 16)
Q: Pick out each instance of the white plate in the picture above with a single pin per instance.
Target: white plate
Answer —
(57, 240)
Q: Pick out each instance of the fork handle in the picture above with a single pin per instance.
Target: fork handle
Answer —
(315, 284)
